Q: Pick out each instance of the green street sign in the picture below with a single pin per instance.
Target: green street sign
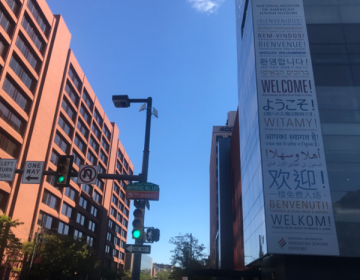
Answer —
(143, 187)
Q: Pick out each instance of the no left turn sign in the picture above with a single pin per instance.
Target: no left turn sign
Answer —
(87, 174)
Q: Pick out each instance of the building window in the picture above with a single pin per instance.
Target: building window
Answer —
(120, 206)
(91, 226)
(63, 228)
(69, 111)
(108, 236)
(121, 256)
(83, 202)
(84, 131)
(50, 200)
(127, 202)
(96, 131)
(14, 6)
(63, 145)
(117, 229)
(126, 165)
(125, 223)
(94, 144)
(87, 100)
(115, 253)
(5, 23)
(86, 188)
(11, 119)
(72, 94)
(3, 47)
(70, 193)
(44, 26)
(97, 117)
(25, 50)
(107, 249)
(118, 166)
(110, 223)
(90, 241)
(75, 78)
(113, 212)
(77, 234)
(51, 180)
(126, 212)
(100, 184)
(122, 244)
(85, 114)
(9, 145)
(91, 158)
(118, 217)
(120, 155)
(45, 220)
(97, 197)
(103, 157)
(77, 159)
(101, 169)
(80, 144)
(116, 188)
(31, 31)
(94, 211)
(16, 95)
(80, 219)
(114, 199)
(116, 241)
(123, 233)
(21, 73)
(66, 210)
(54, 157)
(107, 132)
(105, 145)
(122, 195)
(65, 126)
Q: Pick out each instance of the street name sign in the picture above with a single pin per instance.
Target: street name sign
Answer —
(137, 249)
(7, 169)
(87, 174)
(33, 172)
(148, 191)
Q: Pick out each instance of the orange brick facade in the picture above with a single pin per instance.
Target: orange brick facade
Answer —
(47, 109)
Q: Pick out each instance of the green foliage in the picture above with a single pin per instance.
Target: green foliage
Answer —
(9, 244)
(163, 275)
(127, 275)
(188, 255)
(58, 256)
(111, 274)
(144, 276)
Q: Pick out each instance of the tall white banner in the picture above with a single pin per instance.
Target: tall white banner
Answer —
(299, 215)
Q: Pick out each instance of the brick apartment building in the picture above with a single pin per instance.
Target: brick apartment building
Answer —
(47, 109)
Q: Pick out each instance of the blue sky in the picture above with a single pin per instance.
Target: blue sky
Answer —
(182, 53)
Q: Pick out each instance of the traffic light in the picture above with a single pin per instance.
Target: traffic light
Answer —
(138, 223)
(63, 170)
(152, 235)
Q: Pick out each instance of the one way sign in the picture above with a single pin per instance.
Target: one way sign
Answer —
(137, 249)
(33, 172)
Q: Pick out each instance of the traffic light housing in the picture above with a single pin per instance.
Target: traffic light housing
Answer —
(152, 235)
(138, 223)
(63, 169)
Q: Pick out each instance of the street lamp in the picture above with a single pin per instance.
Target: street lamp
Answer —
(123, 101)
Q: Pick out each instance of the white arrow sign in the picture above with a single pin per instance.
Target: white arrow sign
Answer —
(33, 172)
(138, 249)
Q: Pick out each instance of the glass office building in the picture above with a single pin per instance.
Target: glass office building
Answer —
(333, 28)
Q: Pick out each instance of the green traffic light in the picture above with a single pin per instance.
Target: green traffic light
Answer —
(136, 233)
(60, 179)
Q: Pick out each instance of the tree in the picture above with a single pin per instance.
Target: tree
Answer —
(163, 275)
(188, 255)
(9, 244)
(60, 256)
